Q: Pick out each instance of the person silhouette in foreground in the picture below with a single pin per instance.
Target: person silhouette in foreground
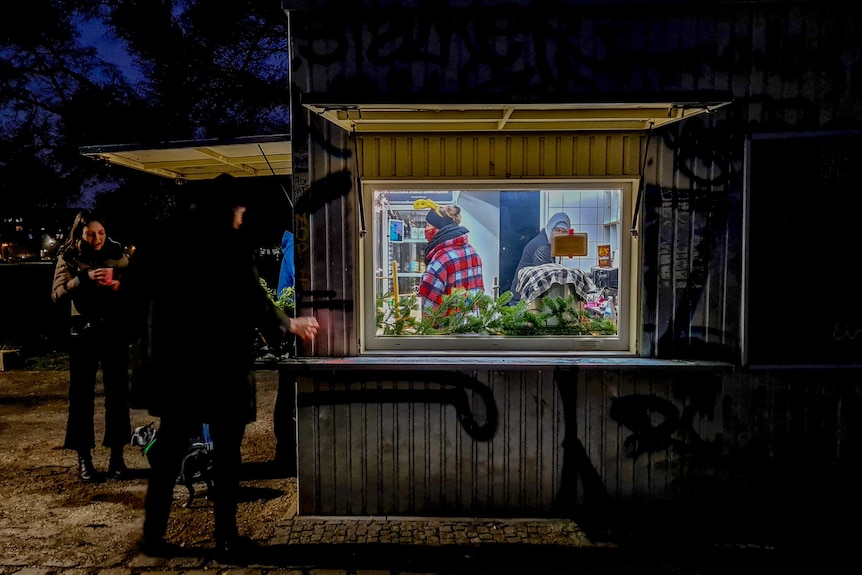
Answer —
(198, 294)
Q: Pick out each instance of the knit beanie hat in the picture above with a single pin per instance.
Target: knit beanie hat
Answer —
(438, 220)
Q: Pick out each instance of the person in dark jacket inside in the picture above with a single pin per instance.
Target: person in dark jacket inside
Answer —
(197, 292)
(87, 277)
(538, 250)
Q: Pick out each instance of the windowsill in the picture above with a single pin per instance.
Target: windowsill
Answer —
(497, 362)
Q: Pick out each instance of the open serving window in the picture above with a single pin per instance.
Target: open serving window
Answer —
(508, 169)
(577, 300)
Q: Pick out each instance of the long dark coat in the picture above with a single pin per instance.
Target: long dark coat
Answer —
(198, 300)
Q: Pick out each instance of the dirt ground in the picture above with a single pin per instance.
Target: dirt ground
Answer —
(48, 516)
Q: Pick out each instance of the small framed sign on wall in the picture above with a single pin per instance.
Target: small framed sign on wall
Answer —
(396, 230)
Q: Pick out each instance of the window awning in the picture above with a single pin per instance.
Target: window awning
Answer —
(188, 160)
(593, 116)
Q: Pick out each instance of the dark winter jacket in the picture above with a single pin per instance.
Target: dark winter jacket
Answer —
(197, 299)
(89, 300)
(537, 252)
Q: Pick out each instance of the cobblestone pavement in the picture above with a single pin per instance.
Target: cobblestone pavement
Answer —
(368, 546)
(420, 546)
(305, 531)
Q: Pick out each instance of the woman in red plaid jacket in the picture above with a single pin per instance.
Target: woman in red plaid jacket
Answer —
(450, 260)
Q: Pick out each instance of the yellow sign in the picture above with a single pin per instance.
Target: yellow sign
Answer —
(604, 251)
(574, 244)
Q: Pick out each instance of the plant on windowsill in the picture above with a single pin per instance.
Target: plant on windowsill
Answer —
(394, 317)
(460, 313)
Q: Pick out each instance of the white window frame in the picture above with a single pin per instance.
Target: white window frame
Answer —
(622, 344)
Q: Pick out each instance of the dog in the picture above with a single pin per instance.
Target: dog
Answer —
(143, 435)
(197, 464)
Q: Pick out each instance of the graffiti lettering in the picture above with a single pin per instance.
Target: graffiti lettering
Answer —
(843, 331)
(301, 237)
(657, 424)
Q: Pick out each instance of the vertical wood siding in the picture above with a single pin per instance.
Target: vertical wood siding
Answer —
(456, 443)
(552, 443)
(328, 227)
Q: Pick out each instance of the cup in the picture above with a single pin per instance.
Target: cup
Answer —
(109, 277)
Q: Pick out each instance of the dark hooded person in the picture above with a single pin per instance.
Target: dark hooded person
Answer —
(198, 298)
(538, 250)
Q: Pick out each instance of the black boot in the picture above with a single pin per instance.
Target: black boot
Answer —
(236, 551)
(158, 547)
(116, 466)
(86, 470)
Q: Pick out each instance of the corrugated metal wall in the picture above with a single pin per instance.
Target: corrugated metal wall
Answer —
(501, 156)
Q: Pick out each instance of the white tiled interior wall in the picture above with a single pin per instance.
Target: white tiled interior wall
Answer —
(589, 211)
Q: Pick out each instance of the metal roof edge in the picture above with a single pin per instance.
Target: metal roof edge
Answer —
(694, 97)
(173, 144)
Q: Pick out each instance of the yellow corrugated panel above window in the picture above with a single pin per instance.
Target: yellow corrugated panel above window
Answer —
(499, 155)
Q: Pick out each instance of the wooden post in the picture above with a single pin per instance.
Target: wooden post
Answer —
(395, 299)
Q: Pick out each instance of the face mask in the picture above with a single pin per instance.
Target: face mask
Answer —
(430, 233)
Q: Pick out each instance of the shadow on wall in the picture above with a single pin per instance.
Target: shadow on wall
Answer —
(321, 192)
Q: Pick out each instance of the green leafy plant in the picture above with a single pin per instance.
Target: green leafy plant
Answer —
(566, 318)
(462, 312)
(395, 318)
(285, 301)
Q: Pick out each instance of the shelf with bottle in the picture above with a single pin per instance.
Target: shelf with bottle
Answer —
(414, 222)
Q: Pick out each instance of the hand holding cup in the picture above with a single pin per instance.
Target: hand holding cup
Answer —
(105, 276)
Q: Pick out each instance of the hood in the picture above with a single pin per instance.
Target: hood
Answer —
(556, 219)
